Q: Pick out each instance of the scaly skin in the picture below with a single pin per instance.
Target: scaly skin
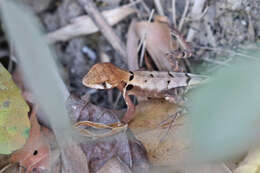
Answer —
(139, 83)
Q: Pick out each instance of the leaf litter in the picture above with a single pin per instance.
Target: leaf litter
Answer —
(160, 149)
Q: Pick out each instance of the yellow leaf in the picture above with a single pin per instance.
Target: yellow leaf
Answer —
(14, 121)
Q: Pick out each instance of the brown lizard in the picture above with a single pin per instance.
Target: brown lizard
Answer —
(152, 84)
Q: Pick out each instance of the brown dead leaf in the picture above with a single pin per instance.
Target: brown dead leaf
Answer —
(121, 145)
(164, 146)
(167, 146)
(35, 153)
(151, 113)
(158, 42)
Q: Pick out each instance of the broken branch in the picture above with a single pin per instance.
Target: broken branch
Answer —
(104, 27)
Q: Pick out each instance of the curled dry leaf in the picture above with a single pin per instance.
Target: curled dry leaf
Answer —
(160, 43)
(35, 153)
(121, 145)
(84, 25)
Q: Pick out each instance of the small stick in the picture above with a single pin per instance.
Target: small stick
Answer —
(174, 13)
(5, 168)
(183, 17)
(104, 27)
(159, 8)
(195, 13)
(199, 17)
(143, 40)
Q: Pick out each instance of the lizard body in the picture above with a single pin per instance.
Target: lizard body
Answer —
(107, 76)
(151, 84)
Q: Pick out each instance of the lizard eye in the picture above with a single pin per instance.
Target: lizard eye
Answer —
(131, 77)
(129, 87)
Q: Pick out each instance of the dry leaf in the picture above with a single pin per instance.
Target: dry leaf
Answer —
(149, 114)
(35, 153)
(14, 121)
(158, 42)
(84, 25)
(121, 145)
(162, 149)
(167, 147)
(69, 163)
(114, 166)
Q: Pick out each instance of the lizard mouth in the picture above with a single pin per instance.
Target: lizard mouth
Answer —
(104, 85)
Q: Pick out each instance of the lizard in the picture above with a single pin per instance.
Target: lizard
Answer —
(151, 84)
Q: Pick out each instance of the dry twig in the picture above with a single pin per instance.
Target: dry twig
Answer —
(143, 40)
(174, 13)
(184, 14)
(159, 8)
(132, 46)
(195, 12)
(104, 27)
(83, 25)
(5, 168)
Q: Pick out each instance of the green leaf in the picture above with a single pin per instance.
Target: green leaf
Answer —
(225, 113)
(14, 121)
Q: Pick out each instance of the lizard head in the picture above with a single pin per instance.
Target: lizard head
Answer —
(104, 76)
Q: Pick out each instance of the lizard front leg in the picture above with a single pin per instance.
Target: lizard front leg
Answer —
(129, 115)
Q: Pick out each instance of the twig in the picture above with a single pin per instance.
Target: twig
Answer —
(143, 40)
(83, 25)
(183, 17)
(159, 8)
(104, 27)
(5, 167)
(251, 31)
(139, 13)
(195, 12)
(210, 35)
(198, 17)
(117, 99)
(218, 62)
(232, 52)
(174, 13)
(146, 8)
(132, 46)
